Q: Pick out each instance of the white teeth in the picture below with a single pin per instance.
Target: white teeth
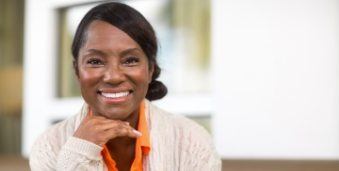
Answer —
(115, 95)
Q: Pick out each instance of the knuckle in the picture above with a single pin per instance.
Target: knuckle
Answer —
(120, 132)
(95, 128)
(124, 131)
(101, 137)
(91, 121)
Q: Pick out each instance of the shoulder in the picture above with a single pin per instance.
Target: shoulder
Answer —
(47, 146)
(188, 139)
(56, 133)
(186, 126)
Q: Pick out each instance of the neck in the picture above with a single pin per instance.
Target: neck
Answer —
(122, 151)
(133, 119)
(120, 143)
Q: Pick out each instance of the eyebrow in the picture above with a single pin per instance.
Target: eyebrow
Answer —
(89, 51)
(129, 51)
(124, 52)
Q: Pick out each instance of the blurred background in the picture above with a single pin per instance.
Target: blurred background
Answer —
(261, 76)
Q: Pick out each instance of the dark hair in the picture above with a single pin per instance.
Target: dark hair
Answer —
(136, 26)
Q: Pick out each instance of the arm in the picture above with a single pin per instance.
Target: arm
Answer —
(78, 154)
(75, 154)
(80, 151)
(42, 157)
(199, 152)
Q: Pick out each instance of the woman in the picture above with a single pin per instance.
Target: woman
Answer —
(114, 51)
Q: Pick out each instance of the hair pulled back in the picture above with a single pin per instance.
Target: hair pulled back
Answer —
(136, 26)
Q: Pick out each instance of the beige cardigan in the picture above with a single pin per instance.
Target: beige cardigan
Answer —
(177, 143)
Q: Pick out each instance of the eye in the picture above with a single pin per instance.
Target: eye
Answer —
(94, 61)
(131, 61)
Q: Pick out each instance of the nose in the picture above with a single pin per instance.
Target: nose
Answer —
(113, 75)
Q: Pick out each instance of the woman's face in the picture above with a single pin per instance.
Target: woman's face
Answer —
(114, 72)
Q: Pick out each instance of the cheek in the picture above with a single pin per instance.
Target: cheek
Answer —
(144, 76)
(140, 78)
(88, 78)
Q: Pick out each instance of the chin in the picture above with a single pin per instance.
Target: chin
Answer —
(116, 114)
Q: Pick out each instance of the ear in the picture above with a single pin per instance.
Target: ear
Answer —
(151, 71)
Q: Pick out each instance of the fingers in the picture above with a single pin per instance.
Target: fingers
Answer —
(110, 124)
(99, 130)
(119, 129)
(122, 132)
(111, 129)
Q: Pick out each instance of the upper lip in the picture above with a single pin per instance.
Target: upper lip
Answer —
(113, 90)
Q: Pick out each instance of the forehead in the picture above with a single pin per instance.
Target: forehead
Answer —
(103, 35)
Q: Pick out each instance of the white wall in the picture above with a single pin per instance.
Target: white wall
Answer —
(275, 78)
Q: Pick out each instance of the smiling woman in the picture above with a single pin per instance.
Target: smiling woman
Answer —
(113, 71)
(114, 52)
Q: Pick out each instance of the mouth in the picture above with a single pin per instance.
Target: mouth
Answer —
(114, 96)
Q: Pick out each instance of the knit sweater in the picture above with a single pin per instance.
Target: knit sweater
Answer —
(177, 143)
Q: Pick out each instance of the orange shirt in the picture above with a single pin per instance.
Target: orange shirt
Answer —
(142, 146)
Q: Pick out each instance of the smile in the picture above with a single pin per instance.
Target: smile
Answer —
(115, 95)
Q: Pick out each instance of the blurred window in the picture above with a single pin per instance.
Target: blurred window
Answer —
(183, 30)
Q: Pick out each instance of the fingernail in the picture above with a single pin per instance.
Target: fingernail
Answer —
(137, 133)
(127, 123)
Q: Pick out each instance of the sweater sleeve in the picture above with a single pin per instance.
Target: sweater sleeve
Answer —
(199, 152)
(75, 155)
(42, 156)
(207, 157)
(80, 155)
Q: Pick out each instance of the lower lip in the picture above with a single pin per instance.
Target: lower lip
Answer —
(115, 100)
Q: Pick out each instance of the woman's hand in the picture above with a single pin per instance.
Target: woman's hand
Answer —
(99, 130)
